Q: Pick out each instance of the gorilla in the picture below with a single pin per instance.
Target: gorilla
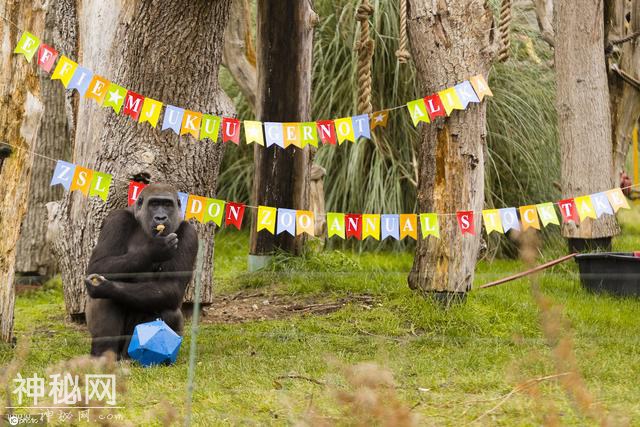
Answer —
(139, 269)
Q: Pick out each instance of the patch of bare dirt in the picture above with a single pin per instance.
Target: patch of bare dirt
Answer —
(249, 306)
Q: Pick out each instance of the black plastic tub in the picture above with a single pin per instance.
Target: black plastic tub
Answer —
(616, 273)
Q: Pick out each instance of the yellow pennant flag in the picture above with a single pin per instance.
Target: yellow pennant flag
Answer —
(304, 222)
(267, 219)
(64, 70)
(585, 207)
(450, 100)
(409, 226)
(253, 132)
(492, 221)
(371, 226)
(344, 130)
(480, 86)
(429, 225)
(529, 217)
(617, 199)
(150, 112)
(547, 214)
(335, 224)
(195, 207)
(418, 111)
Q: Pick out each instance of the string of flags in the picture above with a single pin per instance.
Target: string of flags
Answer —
(359, 226)
(207, 126)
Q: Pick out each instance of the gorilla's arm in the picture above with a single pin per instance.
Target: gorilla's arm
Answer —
(164, 289)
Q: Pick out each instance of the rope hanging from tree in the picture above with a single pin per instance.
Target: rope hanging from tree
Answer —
(505, 29)
(402, 53)
(365, 57)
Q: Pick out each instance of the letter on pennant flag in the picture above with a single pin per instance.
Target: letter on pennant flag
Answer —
(46, 57)
(450, 100)
(309, 134)
(465, 222)
(492, 221)
(183, 199)
(585, 207)
(172, 118)
(210, 127)
(361, 127)
(100, 185)
(568, 210)
(466, 94)
(509, 219)
(434, 106)
(601, 204)
(80, 80)
(371, 226)
(274, 134)
(529, 217)
(429, 225)
(379, 119)
(64, 70)
(480, 86)
(286, 221)
(547, 214)
(132, 105)
(63, 174)
(195, 208)
(335, 224)
(409, 226)
(191, 124)
(150, 112)
(305, 222)
(214, 211)
(97, 89)
(617, 199)
(291, 134)
(82, 180)
(253, 133)
(418, 111)
(390, 226)
(344, 130)
(28, 45)
(327, 131)
(234, 214)
(353, 226)
(266, 218)
(134, 191)
(115, 97)
(230, 130)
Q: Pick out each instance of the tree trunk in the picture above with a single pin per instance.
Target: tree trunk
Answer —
(281, 176)
(33, 254)
(168, 51)
(20, 114)
(450, 42)
(584, 120)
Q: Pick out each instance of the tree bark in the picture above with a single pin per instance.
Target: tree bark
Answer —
(451, 40)
(281, 176)
(20, 114)
(33, 254)
(584, 121)
(544, 16)
(168, 51)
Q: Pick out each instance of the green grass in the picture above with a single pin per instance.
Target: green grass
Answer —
(449, 363)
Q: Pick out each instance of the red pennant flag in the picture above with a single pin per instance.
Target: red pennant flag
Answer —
(353, 225)
(230, 130)
(434, 106)
(134, 191)
(132, 105)
(465, 222)
(326, 131)
(46, 57)
(569, 210)
(234, 214)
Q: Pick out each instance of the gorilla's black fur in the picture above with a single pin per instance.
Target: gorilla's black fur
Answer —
(137, 274)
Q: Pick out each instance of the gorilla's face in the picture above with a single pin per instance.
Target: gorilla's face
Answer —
(158, 205)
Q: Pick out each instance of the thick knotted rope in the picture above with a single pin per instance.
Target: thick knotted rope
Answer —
(505, 28)
(365, 56)
(402, 53)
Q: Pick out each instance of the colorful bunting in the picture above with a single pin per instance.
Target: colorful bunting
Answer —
(601, 204)
(450, 100)
(286, 221)
(547, 214)
(133, 105)
(266, 219)
(234, 214)
(210, 127)
(64, 70)
(418, 111)
(309, 132)
(253, 132)
(344, 130)
(480, 86)
(335, 224)
(585, 208)
(291, 135)
(214, 212)
(353, 226)
(275, 134)
(390, 225)
(492, 221)
(191, 124)
(465, 222)
(327, 131)
(46, 57)
(509, 219)
(429, 225)
(371, 226)
(97, 89)
(172, 118)
(230, 130)
(150, 112)
(183, 199)
(434, 106)
(466, 94)
(79, 81)
(379, 119)
(617, 199)
(134, 191)
(63, 174)
(361, 127)
(28, 45)
(409, 226)
(529, 217)
(568, 210)
(195, 208)
(114, 97)
(305, 223)
(100, 185)
(81, 180)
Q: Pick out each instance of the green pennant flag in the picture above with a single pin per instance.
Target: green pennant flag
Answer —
(28, 45)
(100, 185)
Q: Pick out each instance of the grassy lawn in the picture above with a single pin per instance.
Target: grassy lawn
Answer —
(449, 366)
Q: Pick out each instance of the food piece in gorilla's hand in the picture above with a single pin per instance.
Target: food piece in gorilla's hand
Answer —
(160, 228)
(96, 284)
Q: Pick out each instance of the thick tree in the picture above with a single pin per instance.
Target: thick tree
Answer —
(284, 55)
(20, 114)
(451, 41)
(168, 51)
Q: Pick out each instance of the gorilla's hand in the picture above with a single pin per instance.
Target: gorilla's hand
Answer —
(163, 248)
(96, 285)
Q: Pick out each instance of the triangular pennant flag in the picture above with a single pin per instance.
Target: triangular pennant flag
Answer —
(64, 71)
(63, 174)
(335, 224)
(100, 185)
(274, 134)
(450, 100)
(305, 223)
(210, 127)
(353, 226)
(81, 180)
(429, 225)
(114, 97)
(291, 134)
(195, 208)
(172, 118)
(344, 130)
(327, 131)
(46, 57)
(28, 45)
(585, 208)
(434, 106)
(234, 214)
(286, 221)
(150, 112)
(509, 219)
(547, 214)
(418, 111)
(133, 105)
(97, 89)
(253, 133)
(601, 204)
(191, 124)
(409, 226)
(230, 130)
(465, 222)
(480, 86)
(183, 199)
(529, 217)
(379, 119)
(361, 127)
(617, 199)
(79, 80)
(134, 191)
(568, 210)
(466, 94)
(214, 211)
(371, 226)
(492, 221)
(266, 219)
(309, 133)
(390, 226)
